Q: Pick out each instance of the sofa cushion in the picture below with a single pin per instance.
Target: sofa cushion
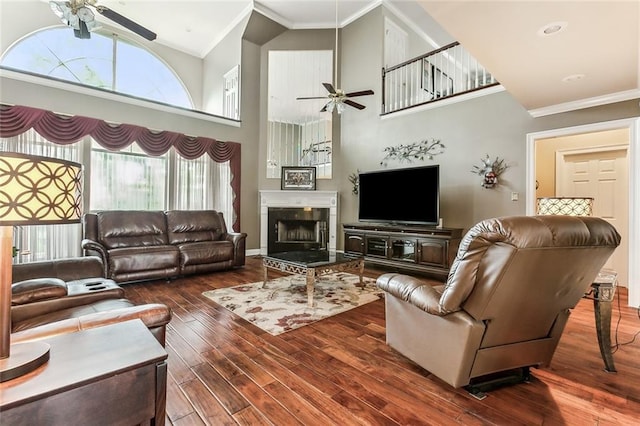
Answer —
(119, 228)
(205, 252)
(143, 258)
(184, 226)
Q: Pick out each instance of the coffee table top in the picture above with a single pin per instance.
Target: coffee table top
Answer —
(311, 258)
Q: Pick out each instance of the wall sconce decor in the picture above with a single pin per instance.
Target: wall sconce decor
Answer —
(490, 170)
(565, 206)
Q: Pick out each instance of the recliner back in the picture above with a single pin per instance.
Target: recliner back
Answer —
(118, 229)
(517, 274)
(189, 226)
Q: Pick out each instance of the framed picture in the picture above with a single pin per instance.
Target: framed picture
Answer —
(300, 178)
(434, 81)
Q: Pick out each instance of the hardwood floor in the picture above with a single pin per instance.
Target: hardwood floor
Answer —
(226, 371)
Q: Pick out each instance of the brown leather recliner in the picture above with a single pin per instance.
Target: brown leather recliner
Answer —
(506, 301)
(54, 298)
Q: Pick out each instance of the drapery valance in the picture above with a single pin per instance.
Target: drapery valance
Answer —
(60, 129)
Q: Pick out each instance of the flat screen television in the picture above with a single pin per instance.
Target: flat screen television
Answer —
(402, 196)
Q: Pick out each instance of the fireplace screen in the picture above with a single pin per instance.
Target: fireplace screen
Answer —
(293, 229)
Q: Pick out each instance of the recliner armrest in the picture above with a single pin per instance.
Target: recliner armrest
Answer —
(239, 250)
(36, 290)
(153, 315)
(412, 290)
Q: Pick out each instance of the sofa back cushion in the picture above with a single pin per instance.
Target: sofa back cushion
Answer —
(195, 225)
(121, 228)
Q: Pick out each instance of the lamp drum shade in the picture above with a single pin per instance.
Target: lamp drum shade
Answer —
(565, 206)
(39, 190)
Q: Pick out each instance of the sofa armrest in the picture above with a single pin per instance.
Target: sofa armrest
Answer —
(36, 290)
(94, 248)
(153, 315)
(239, 251)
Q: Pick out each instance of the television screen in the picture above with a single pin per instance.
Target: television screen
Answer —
(408, 196)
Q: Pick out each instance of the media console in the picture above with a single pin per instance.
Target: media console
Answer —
(424, 249)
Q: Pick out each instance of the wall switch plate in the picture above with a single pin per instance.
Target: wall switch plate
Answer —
(514, 196)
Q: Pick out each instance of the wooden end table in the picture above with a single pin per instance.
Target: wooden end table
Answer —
(311, 263)
(114, 374)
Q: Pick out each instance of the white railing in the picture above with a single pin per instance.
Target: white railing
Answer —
(442, 73)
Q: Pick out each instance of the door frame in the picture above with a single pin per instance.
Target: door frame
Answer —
(633, 125)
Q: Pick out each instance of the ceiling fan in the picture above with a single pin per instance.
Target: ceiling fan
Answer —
(338, 98)
(78, 15)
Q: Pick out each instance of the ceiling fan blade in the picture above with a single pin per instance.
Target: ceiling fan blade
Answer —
(311, 97)
(354, 104)
(126, 22)
(324, 108)
(360, 93)
(329, 88)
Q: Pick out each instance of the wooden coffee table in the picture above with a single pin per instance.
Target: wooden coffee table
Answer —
(311, 263)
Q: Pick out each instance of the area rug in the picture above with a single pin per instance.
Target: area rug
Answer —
(282, 305)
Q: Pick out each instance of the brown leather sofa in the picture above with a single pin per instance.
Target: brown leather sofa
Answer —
(142, 245)
(65, 295)
(506, 301)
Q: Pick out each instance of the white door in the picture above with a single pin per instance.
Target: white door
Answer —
(601, 173)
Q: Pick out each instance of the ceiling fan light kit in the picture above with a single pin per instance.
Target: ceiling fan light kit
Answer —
(337, 97)
(77, 15)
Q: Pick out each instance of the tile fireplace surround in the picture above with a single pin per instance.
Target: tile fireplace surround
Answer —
(298, 199)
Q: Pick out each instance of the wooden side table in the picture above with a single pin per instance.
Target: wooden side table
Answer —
(115, 374)
(603, 290)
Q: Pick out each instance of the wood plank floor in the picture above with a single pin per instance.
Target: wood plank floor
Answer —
(225, 371)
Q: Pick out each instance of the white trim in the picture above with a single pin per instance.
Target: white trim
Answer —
(633, 124)
(115, 97)
(274, 16)
(444, 102)
(222, 35)
(409, 23)
(586, 103)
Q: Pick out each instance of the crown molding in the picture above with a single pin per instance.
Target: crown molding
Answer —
(586, 103)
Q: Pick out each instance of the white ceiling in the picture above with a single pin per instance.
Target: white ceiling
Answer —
(600, 42)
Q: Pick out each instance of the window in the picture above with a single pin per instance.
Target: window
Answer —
(127, 179)
(122, 180)
(106, 62)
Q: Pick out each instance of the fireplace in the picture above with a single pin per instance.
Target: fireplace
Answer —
(297, 220)
(297, 228)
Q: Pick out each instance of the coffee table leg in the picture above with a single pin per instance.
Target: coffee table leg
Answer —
(264, 274)
(311, 280)
(361, 271)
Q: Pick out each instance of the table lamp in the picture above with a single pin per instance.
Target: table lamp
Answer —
(565, 206)
(33, 191)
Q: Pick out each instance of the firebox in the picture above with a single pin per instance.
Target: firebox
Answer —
(293, 229)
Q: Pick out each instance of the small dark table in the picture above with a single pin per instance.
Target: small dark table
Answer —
(602, 292)
(114, 374)
(311, 263)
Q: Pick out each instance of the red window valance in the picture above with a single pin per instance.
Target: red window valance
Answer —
(61, 129)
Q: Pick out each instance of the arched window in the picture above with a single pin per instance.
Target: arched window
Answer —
(106, 62)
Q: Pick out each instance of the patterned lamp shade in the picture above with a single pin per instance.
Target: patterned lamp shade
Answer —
(565, 206)
(33, 190)
(39, 190)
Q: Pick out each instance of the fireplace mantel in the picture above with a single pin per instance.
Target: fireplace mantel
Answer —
(300, 199)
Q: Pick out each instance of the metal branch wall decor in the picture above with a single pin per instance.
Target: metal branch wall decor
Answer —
(418, 151)
(490, 170)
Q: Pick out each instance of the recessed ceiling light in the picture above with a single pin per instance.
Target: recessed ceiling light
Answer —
(552, 28)
(573, 77)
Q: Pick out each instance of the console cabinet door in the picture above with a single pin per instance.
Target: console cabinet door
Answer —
(376, 246)
(354, 242)
(403, 249)
(433, 252)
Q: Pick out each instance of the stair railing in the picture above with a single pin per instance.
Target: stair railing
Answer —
(440, 74)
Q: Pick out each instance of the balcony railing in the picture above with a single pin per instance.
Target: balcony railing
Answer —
(440, 74)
